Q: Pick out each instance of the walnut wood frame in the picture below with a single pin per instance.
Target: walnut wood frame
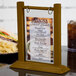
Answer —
(38, 66)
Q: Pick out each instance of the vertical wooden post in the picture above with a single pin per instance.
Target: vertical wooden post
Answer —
(57, 34)
(20, 23)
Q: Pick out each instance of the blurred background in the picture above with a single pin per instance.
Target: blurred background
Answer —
(8, 13)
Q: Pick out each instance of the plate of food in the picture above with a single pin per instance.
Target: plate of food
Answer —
(8, 47)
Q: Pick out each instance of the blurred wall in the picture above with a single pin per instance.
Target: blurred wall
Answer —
(8, 16)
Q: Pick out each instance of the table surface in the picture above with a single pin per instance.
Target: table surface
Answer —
(68, 59)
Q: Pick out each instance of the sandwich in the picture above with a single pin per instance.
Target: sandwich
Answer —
(8, 42)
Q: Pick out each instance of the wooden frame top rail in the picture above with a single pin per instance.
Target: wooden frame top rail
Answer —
(38, 8)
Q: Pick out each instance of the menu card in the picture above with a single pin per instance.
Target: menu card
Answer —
(39, 39)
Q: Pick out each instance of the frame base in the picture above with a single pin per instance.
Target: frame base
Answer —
(37, 66)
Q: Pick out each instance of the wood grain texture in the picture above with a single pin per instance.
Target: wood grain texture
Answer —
(20, 21)
(38, 8)
(42, 67)
(57, 34)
